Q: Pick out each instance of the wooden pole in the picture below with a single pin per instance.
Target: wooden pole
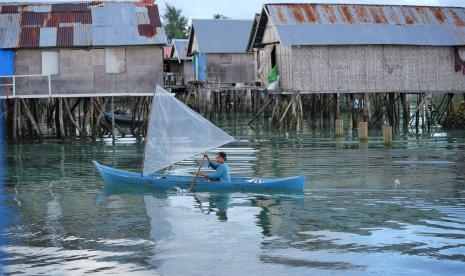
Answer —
(34, 125)
(260, 111)
(405, 110)
(363, 131)
(72, 119)
(339, 128)
(15, 122)
(285, 111)
(113, 120)
(60, 118)
(387, 135)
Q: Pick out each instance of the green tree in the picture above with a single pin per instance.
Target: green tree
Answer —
(219, 16)
(175, 23)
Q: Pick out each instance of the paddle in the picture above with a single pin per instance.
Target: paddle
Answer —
(195, 179)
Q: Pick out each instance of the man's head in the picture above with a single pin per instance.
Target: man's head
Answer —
(221, 157)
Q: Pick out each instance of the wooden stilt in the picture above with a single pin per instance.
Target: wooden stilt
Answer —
(15, 121)
(113, 120)
(363, 131)
(32, 121)
(260, 111)
(387, 135)
(60, 118)
(417, 113)
(339, 128)
(81, 133)
(405, 110)
(20, 131)
(285, 111)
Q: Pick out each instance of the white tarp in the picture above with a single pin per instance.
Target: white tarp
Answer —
(176, 133)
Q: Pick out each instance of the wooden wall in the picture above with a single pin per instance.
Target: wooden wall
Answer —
(84, 71)
(375, 69)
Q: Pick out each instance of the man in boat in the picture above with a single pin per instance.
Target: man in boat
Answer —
(221, 173)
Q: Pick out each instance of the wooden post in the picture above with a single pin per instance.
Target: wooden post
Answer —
(363, 131)
(15, 122)
(405, 110)
(285, 111)
(19, 119)
(60, 118)
(387, 135)
(32, 121)
(367, 106)
(352, 110)
(76, 125)
(249, 100)
(339, 128)
(112, 120)
(417, 113)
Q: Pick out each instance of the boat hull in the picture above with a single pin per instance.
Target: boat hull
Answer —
(166, 181)
(121, 119)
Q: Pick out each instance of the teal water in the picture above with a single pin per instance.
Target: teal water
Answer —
(351, 219)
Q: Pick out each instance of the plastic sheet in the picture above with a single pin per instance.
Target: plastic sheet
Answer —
(176, 133)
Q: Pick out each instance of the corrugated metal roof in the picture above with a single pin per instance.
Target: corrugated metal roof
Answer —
(341, 24)
(180, 46)
(80, 24)
(221, 35)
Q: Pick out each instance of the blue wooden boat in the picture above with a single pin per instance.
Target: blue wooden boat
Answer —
(166, 181)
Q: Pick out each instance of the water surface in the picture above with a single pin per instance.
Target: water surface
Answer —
(351, 219)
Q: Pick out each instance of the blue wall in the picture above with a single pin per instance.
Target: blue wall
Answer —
(6, 62)
(200, 66)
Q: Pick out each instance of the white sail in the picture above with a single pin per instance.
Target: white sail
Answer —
(176, 132)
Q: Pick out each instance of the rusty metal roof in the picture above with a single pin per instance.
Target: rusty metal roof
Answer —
(82, 24)
(354, 24)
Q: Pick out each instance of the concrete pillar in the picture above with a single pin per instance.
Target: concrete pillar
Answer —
(387, 135)
(339, 128)
(363, 131)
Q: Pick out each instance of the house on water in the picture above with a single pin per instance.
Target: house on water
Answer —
(179, 66)
(80, 49)
(219, 51)
(339, 48)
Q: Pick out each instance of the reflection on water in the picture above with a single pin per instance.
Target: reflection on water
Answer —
(352, 218)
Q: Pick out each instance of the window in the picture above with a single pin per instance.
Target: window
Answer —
(51, 63)
(115, 61)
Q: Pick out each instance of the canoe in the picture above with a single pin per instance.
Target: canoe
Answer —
(121, 119)
(167, 181)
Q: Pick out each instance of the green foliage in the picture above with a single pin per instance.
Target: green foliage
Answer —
(219, 16)
(175, 23)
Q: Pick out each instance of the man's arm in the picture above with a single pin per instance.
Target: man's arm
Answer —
(219, 173)
(213, 165)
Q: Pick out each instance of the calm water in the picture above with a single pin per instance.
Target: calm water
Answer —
(351, 219)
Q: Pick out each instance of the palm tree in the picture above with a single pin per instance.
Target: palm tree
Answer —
(175, 23)
(219, 16)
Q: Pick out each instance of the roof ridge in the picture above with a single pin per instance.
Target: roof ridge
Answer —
(362, 4)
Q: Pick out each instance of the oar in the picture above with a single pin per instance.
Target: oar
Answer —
(195, 178)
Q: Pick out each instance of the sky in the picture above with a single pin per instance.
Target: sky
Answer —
(245, 9)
